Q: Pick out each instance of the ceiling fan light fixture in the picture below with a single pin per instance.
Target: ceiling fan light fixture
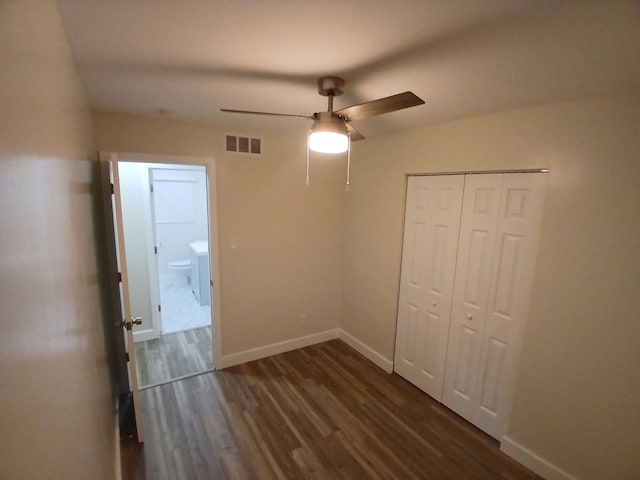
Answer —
(328, 142)
(328, 134)
(332, 131)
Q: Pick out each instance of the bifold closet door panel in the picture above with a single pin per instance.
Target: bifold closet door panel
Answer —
(432, 220)
(470, 297)
(517, 236)
(496, 259)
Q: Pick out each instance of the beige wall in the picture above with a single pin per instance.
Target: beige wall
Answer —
(56, 415)
(288, 236)
(577, 403)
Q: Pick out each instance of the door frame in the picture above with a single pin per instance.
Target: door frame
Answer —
(214, 245)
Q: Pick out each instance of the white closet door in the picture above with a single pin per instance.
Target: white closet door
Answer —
(511, 279)
(432, 221)
(498, 243)
(473, 270)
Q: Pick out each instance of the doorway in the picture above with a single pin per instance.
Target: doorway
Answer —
(167, 230)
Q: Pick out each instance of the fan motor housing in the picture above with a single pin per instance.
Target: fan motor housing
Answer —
(330, 121)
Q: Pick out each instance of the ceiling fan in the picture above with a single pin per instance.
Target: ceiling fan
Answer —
(332, 131)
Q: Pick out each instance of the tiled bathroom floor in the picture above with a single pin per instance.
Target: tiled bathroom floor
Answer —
(180, 308)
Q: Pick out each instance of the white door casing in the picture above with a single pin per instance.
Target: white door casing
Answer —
(153, 254)
(428, 263)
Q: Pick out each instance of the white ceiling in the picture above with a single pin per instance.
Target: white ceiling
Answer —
(463, 57)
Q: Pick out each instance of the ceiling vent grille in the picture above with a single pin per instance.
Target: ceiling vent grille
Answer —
(243, 144)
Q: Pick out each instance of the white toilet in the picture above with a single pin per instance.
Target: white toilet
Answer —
(181, 267)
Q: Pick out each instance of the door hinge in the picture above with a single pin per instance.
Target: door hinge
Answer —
(112, 189)
(159, 308)
(126, 355)
(155, 250)
(151, 187)
(119, 277)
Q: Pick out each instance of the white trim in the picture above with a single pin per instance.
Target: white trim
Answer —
(276, 348)
(157, 158)
(532, 461)
(214, 262)
(364, 349)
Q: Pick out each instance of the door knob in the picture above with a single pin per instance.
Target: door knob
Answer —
(128, 324)
(469, 316)
(434, 303)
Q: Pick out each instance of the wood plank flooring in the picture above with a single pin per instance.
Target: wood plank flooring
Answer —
(174, 355)
(322, 412)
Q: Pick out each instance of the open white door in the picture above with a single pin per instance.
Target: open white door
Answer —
(127, 320)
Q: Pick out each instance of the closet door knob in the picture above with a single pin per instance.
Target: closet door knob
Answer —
(434, 303)
(469, 316)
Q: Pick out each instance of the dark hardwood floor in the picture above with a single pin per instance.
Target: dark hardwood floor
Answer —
(322, 412)
(174, 355)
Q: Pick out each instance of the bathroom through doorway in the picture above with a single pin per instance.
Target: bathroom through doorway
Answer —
(167, 231)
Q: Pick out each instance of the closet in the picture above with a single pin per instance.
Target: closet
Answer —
(468, 260)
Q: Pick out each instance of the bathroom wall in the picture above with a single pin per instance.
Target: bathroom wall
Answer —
(56, 416)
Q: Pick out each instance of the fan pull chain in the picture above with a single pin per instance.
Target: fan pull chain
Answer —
(308, 135)
(348, 161)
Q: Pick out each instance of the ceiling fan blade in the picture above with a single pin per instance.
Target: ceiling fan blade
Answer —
(380, 106)
(354, 133)
(229, 110)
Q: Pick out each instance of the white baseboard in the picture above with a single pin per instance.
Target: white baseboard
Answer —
(367, 351)
(533, 462)
(276, 348)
